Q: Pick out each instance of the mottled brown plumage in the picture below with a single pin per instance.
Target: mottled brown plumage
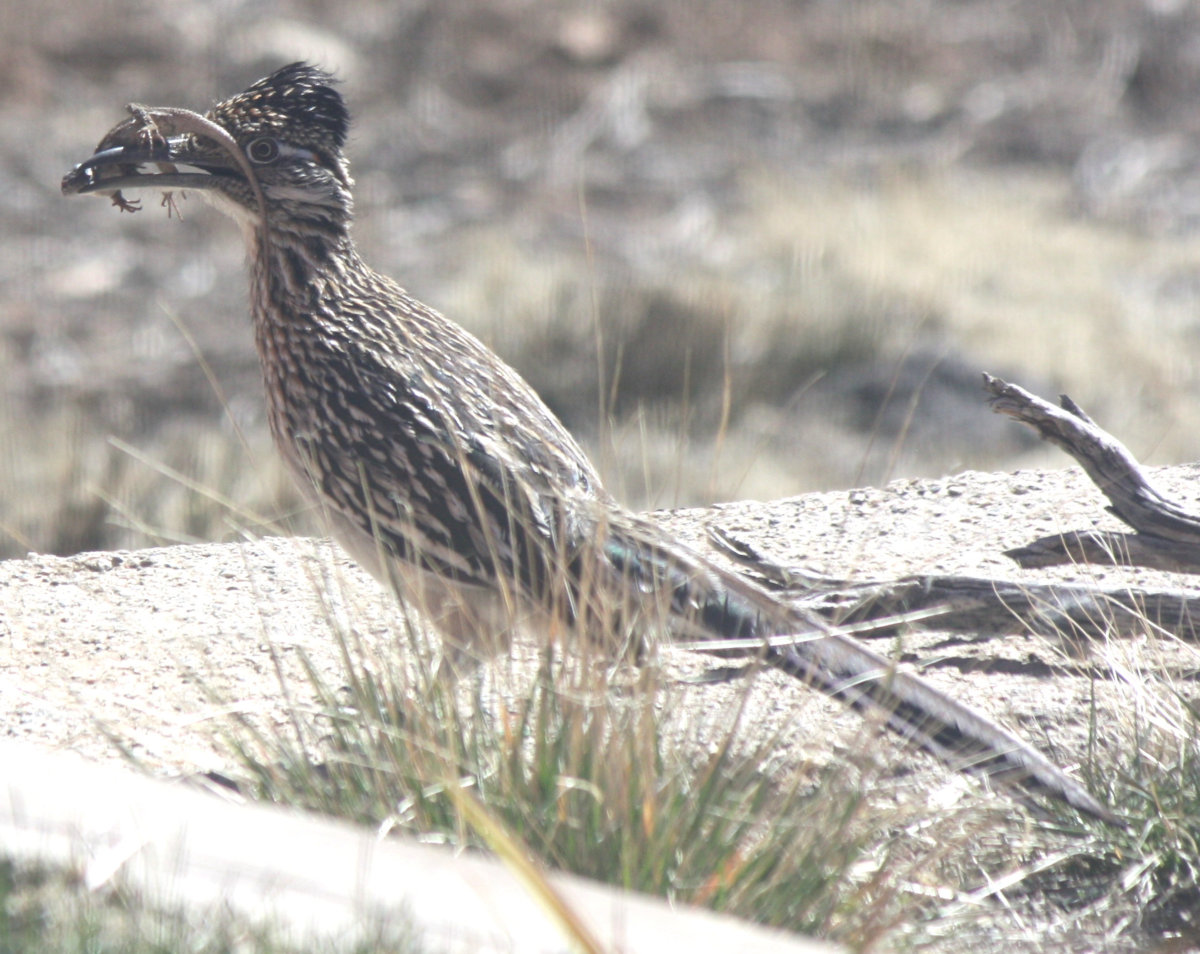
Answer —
(439, 467)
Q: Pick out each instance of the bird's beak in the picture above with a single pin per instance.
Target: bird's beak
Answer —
(160, 149)
(154, 166)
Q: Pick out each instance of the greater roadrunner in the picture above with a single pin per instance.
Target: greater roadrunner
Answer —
(440, 468)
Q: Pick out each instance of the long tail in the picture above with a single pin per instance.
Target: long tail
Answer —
(961, 736)
(717, 610)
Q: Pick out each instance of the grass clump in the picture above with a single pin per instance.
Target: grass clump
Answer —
(596, 771)
(612, 772)
(1146, 875)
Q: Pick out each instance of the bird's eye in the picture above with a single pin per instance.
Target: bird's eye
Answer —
(263, 150)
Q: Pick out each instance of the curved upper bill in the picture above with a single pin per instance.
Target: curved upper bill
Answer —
(153, 163)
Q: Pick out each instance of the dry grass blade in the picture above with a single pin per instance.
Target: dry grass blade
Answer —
(514, 855)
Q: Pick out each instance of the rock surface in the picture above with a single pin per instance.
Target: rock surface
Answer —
(155, 647)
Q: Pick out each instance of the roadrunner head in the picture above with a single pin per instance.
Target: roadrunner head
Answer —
(269, 156)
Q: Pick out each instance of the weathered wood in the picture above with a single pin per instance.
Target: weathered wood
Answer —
(1168, 535)
(988, 607)
(984, 606)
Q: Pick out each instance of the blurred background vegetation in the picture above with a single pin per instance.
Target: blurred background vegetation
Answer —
(743, 249)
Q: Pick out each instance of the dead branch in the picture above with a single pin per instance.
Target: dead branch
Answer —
(966, 604)
(980, 606)
(1167, 535)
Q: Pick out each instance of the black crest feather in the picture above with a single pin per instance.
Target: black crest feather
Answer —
(297, 102)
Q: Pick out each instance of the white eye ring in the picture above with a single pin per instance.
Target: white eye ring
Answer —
(262, 150)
